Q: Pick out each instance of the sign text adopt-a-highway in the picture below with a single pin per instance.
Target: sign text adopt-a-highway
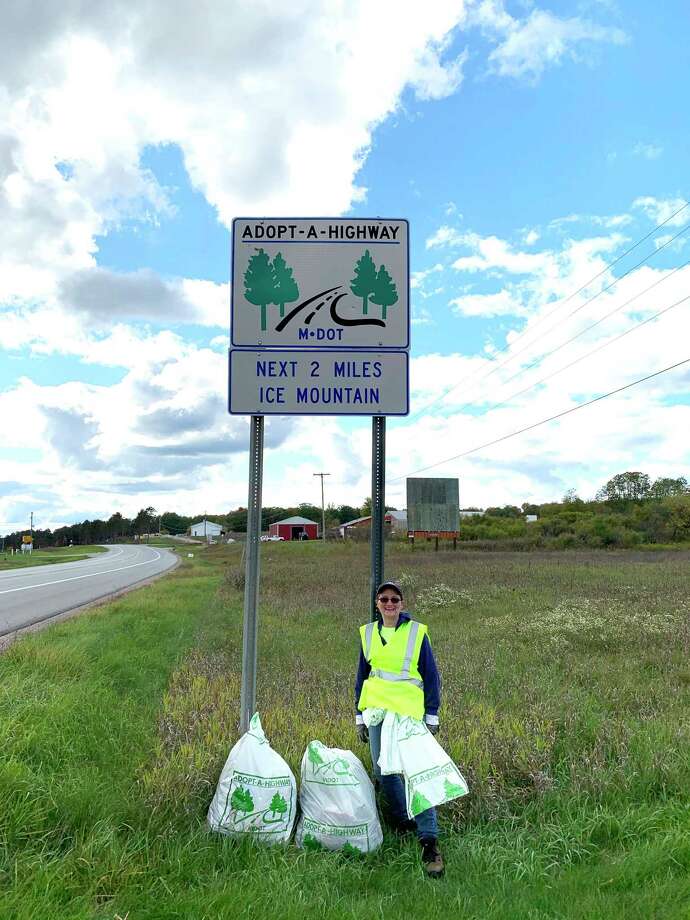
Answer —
(298, 382)
(320, 283)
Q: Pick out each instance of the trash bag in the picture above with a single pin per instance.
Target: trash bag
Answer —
(431, 777)
(337, 801)
(256, 793)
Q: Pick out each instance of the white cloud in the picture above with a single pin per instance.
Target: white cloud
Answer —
(265, 92)
(542, 40)
(493, 253)
(501, 303)
(421, 316)
(445, 236)
(659, 210)
(417, 279)
(648, 151)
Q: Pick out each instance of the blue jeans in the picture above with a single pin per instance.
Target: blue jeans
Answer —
(393, 788)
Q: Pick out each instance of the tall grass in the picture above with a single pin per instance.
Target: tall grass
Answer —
(566, 691)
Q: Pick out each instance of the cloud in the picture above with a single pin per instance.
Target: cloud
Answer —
(659, 210)
(105, 295)
(71, 434)
(648, 151)
(417, 279)
(445, 236)
(542, 40)
(501, 303)
(169, 421)
(493, 253)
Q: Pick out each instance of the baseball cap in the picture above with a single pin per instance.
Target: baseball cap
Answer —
(393, 585)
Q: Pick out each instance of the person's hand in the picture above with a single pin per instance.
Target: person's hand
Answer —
(363, 733)
(433, 728)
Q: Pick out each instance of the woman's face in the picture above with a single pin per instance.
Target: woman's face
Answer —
(389, 604)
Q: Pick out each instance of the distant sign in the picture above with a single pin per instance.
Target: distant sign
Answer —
(320, 283)
(27, 538)
(433, 505)
(296, 382)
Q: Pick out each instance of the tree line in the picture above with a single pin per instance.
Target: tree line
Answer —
(148, 521)
(629, 509)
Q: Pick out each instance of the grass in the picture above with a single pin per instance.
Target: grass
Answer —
(566, 691)
(48, 556)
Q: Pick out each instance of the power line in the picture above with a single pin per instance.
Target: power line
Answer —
(572, 313)
(606, 268)
(588, 355)
(553, 351)
(551, 418)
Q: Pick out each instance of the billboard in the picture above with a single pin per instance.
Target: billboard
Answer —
(433, 505)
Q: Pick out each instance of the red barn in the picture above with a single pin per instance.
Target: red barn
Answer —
(295, 528)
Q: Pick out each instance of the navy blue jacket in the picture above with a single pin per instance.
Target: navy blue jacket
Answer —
(426, 667)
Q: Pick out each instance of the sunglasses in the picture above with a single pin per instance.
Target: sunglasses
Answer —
(390, 600)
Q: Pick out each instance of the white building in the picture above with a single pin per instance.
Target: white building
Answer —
(205, 529)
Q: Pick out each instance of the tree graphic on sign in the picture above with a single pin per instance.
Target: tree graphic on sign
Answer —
(364, 283)
(385, 293)
(286, 289)
(259, 283)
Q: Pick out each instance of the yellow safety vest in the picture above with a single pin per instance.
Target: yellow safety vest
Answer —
(394, 682)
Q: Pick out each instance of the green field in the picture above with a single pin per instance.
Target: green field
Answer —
(49, 556)
(566, 705)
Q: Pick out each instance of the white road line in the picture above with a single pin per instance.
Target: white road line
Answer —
(98, 559)
(77, 577)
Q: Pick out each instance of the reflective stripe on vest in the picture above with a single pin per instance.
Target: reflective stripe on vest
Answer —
(389, 675)
(412, 638)
(368, 638)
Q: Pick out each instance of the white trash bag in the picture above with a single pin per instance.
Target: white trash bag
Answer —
(337, 801)
(256, 793)
(409, 748)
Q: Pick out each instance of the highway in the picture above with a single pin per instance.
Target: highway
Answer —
(34, 595)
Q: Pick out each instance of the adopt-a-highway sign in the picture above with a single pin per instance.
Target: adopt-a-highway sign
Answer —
(320, 283)
(299, 382)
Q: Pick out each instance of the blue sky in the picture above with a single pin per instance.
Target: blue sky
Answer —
(528, 144)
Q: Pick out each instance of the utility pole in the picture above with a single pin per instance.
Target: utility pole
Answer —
(323, 507)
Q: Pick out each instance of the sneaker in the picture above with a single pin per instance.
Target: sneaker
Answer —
(432, 859)
(406, 826)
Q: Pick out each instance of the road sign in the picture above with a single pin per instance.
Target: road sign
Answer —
(320, 283)
(297, 382)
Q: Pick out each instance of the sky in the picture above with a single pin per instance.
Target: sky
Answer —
(530, 145)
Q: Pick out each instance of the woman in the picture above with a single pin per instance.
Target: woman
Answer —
(397, 672)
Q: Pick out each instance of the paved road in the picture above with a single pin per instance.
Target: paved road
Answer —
(32, 595)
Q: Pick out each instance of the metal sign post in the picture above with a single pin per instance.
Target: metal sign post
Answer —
(378, 506)
(251, 574)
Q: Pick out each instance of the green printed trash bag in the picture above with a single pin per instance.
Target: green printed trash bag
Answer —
(431, 777)
(256, 792)
(337, 801)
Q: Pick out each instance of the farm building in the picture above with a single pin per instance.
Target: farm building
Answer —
(292, 528)
(394, 522)
(205, 529)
